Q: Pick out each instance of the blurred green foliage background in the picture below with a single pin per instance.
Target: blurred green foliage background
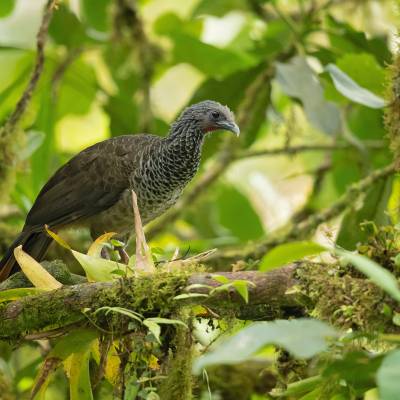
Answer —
(304, 77)
(117, 67)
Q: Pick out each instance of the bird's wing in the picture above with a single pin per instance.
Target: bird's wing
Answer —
(89, 183)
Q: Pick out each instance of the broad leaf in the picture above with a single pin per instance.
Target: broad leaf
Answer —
(350, 89)
(6, 7)
(304, 338)
(99, 269)
(388, 377)
(96, 247)
(75, 342)
(34, 271)
(79, 376)
(211, 60)
(378, 275)
(298, 80)
(373, 209)
(289, 252)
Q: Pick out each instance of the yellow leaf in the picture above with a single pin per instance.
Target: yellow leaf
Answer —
(34, 271)
(97, 245)
(15, 294)
(57, 238)
(111, 370)
(153, 363)
(79, 377)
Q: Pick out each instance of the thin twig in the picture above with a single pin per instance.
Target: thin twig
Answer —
(291, 150)
(26, 96)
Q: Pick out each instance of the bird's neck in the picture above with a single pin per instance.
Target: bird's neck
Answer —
(181, 152)
(185, 139)
(184, 144)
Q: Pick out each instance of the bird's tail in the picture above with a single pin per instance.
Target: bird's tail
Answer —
(34, 243)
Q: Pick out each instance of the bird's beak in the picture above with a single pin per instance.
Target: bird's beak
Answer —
(229, 126)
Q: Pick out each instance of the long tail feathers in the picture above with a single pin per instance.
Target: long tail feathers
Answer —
(34, 243)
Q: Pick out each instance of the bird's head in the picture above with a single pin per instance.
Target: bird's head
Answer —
(210, 116)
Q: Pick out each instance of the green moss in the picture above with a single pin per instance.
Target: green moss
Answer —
(392, 112)
(346, 301)
(178, 368)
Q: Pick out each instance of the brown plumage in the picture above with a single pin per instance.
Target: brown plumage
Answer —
(93, 188)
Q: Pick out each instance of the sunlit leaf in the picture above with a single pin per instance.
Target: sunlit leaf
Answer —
(378, 275)
(15, 294)
(57, 238)
(99, 269)
(167, 321)
(6, 7)
(154, 328)
(298, 80)
(40, 278)
(79, 376)
(96, 247)
(349, 88)
(303, 338)
(95, 14)
(289, 252)
(211, 60)
(124, 311)
(242, 287)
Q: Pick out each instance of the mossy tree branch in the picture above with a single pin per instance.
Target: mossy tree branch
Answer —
(268, 299)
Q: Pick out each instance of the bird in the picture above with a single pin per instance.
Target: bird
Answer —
(94, 188)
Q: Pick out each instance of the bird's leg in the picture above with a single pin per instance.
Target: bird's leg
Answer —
(124, 255)
(144, 260)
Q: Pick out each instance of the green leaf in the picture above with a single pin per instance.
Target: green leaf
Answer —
(6, 7)
(79, 379)
(246, 224)
(357, 368)
(34, 141)
(365, 70)
(350, 89)
(15, 294)
(75, 342)
(388, 377)
(378, 275)
(154, 328)
(220, 278)
(241, 287)
(78, 89)
(212, 61)
(99, 269)
(304, 338)
(219, 8)
(66, 29)
(95, 14)
(298, 80)
(189, 296)
(289, 252)
(120, 310)
(159, 320)
(373, 209)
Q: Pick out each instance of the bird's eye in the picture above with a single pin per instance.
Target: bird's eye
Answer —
(215, 114)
